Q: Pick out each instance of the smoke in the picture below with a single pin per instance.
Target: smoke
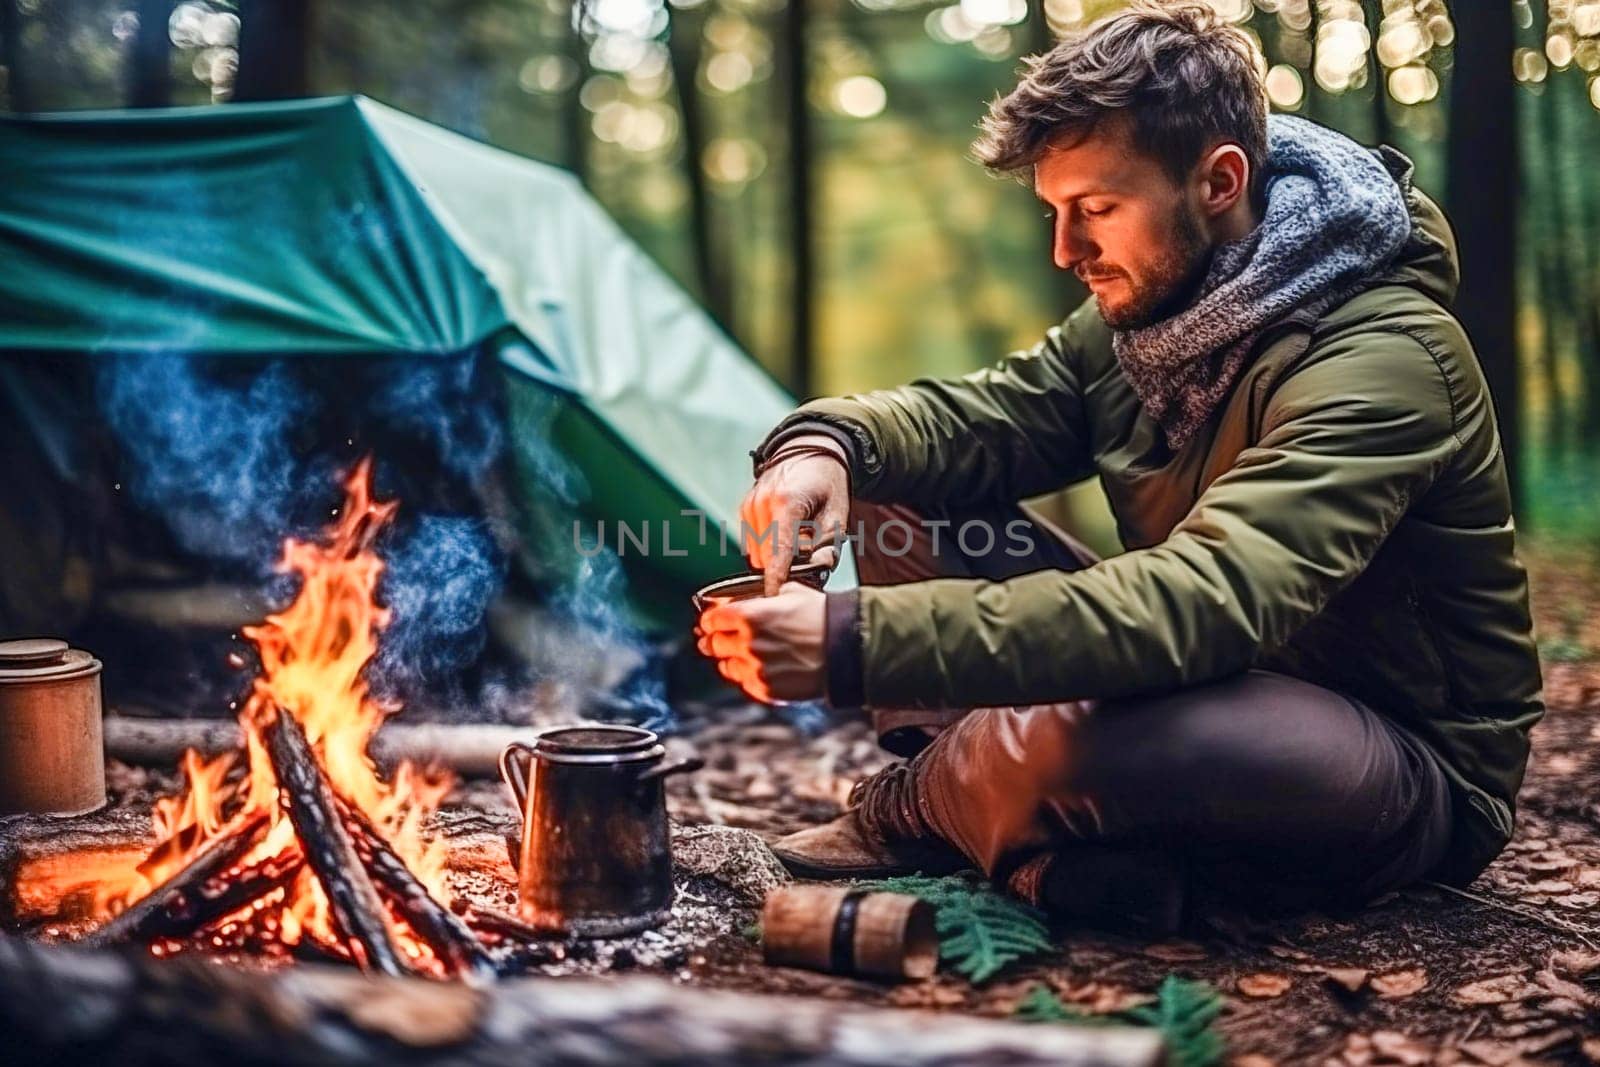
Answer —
(234, 456)
(438, 580)
(591, 586)
(214, 461)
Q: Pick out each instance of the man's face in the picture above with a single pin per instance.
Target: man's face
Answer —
(1129, 232)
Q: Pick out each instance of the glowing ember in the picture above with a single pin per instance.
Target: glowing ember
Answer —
(312, 655)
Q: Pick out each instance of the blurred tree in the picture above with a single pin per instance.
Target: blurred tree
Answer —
(274, 47)
(149, 66)
(17, 96)
(1482, 153)
(795, 77)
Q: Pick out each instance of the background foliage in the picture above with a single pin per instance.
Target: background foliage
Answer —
(831, 220)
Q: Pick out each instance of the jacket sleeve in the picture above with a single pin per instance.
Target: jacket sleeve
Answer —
(1348, 441)
(1007, 432)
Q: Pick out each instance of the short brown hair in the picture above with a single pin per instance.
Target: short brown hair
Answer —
(1182, 77)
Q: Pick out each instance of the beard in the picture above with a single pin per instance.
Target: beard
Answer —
(1169, 282)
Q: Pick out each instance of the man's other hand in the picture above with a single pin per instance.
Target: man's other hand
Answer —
(772, 647)
(806, 482)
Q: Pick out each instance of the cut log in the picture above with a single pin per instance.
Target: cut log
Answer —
(60, 1005)
(171, 905)
(308, 798)
(472, 749)
(436, 924)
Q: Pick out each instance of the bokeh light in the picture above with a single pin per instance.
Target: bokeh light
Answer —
(860, 96)
(1285, 88)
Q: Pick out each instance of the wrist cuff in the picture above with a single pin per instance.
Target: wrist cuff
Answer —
(842, 639)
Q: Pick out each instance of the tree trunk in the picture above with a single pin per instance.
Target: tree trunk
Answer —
(274, 48)
(18, 95)
(1482, 165)
(64, 1006)
(796, 68)
(683, 47)
(148, 74)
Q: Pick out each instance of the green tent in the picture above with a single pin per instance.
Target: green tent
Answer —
(341, 227)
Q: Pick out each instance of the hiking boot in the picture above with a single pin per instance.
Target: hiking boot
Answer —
(881, 836)
(844, 849)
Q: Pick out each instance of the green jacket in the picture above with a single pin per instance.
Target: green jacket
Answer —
(1343, 518)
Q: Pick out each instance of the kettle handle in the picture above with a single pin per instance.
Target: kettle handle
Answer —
(513, 774)
(689, 763)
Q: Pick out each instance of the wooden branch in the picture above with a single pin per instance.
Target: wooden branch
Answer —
(471, 749)
(442, 929)
(60, 1005)
(307, 796)
(166, 907)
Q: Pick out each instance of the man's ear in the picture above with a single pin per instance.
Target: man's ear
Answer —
(1224, 175)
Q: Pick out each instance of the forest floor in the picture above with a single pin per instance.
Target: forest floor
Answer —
(1507, 972)
(1505, 975)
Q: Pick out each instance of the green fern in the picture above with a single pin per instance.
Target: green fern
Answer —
(1184, 1012)
(1043, 1006)
(980, 930)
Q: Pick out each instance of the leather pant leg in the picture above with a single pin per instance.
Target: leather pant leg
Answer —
(1295, 784)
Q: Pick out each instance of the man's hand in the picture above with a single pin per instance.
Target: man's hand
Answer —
(805, 487)
(770, 646)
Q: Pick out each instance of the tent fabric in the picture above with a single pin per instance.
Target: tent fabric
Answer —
(341, 226)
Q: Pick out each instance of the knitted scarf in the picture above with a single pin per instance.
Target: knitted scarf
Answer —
(1334, 219)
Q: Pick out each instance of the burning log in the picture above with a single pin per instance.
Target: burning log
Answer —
(328, 848)
(441, 928)
(173, 904)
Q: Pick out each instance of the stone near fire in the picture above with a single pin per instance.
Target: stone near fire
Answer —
(733, 857)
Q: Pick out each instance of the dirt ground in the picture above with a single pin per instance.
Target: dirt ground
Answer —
(1505, 975)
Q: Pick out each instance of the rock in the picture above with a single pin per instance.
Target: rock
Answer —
(737, 859)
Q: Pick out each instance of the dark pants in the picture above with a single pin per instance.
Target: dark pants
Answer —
(1258, 784)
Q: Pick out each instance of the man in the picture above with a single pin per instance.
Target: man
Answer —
(1313, 667)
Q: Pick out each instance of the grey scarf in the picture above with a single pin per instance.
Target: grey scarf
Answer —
(1334, 219)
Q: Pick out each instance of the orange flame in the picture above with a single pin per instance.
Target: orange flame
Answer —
(312, 656)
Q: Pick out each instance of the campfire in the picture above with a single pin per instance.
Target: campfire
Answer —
(295, 844)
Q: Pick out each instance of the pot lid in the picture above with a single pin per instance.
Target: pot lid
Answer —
(597, 744)
(40, 658)
(594, 738)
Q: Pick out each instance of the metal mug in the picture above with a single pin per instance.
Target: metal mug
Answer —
(595, 858)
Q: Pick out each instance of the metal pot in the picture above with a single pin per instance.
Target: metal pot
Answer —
(52, 759)
(595, 858)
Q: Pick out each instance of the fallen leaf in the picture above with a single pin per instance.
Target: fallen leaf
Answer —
(927, 995)
(1563, 988)
(1501, 989)
(1561, 765)
(1401, 1048)
(1577, 963)
(1349, 979)
(1098, 998)
(1491, 1053)
(1175, 951)
(1398, 984)
(1264, 986)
